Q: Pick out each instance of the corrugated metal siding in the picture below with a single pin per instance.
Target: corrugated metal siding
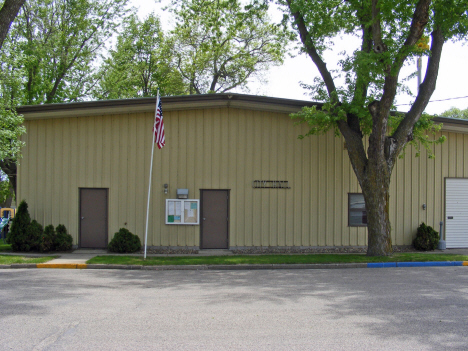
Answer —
(223, 148)
(419, 180)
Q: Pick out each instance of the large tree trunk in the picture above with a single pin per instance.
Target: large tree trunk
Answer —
(8, 13)
(374, 179)
(376, 196)
(8, 201)
(9, 168)
(373, 172)
(376, 182)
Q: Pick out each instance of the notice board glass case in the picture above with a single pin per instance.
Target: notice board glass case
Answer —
(183, 211)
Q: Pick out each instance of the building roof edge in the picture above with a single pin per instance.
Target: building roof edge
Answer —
(170, 103)
(188, 102)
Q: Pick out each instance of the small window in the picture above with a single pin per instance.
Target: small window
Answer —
(357, 215)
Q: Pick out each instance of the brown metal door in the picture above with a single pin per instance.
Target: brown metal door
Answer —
(215, 219)
(93, 218)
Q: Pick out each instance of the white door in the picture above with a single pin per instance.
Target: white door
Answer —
(456, 212)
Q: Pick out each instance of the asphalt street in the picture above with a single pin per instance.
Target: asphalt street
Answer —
(339, 309)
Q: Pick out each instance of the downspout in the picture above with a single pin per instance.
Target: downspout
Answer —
(441, 245)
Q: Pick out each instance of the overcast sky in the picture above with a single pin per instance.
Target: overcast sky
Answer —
(283, 81)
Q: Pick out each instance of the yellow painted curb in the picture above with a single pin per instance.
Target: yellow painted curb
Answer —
(63, 265)
(465, 263)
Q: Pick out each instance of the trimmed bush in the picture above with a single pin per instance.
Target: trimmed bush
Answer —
(124, 242)
(47, 239)
(17, 236)
(32, 239)
(63, 240)
(426, 239)
(25, 235)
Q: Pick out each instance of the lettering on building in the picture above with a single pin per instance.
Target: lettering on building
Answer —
(271, 184)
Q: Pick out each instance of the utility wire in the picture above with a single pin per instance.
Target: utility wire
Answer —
(456, 98)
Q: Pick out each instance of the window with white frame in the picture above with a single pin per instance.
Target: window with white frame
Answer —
(357, 215)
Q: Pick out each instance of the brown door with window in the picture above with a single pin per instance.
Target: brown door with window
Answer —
(215, 219)
(93, 218)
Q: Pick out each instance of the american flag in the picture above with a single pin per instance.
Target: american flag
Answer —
(158, 127)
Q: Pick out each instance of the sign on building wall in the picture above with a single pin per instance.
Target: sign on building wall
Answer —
(182, 211)
(270, 184)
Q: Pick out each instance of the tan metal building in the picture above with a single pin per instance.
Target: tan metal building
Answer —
(86, 165)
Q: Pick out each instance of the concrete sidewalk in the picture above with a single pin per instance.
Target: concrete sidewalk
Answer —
(83, 255)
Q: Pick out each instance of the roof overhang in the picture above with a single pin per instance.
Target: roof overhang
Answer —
(189, 102)
(455, 125)
(170, 103)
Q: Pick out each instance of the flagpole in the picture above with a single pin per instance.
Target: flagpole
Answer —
(150, 177)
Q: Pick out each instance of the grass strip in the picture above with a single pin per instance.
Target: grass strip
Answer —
(9, 259)
(274, 259)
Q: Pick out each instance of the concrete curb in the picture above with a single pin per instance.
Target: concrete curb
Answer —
(201, 267)
(62, 265)
(23, 265)
(236, 267)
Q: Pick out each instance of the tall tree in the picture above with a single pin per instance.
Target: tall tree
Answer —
(58, 41)
(48, 57)
(11, 124)
(11, 129)
(455, 113)
(389, 31)
(142, 62)
(8, 13)
(221, 44)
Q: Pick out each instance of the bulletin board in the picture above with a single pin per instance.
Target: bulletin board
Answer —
(183, 211)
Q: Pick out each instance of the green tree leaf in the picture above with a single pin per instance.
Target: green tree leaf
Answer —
(221, 44)
(55, 43)
(142, 61)
(455, 113)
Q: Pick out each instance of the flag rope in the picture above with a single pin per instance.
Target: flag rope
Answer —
(155, 131)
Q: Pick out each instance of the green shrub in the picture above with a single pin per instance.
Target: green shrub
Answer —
(32, 239)
(124, 241)
(47, 239)
(17, 236)
(25, 235)
(63, 240)
(426, 239)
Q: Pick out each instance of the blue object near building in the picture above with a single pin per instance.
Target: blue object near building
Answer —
(3, 224)
(415, 264)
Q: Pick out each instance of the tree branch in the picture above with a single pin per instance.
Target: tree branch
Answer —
(9, 168)
(405, 128)
(312, 52)
(420, 19)
(355, 147)
(362, 83)
(8, 13)
(379, 45)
